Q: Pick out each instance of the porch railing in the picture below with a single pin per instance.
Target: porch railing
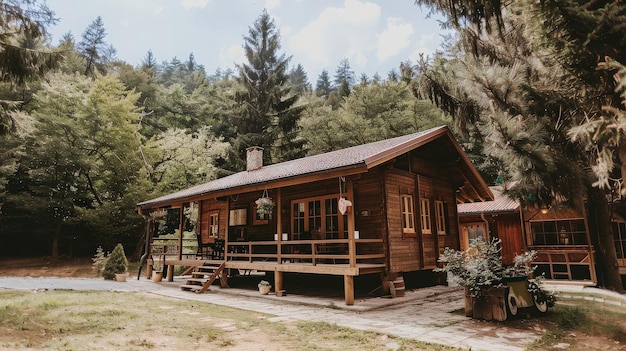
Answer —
(332, 251)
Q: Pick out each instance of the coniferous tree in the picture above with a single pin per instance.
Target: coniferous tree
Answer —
(94, 48)
(344, 78)
(519, 72)
(323, 87)
(298, 80)
(270, 117)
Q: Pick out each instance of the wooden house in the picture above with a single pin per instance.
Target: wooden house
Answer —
(560, 235)
(385, 208)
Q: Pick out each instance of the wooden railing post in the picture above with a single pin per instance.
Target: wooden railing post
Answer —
(351, 244)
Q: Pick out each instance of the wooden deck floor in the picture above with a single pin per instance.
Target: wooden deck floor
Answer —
(292, 267)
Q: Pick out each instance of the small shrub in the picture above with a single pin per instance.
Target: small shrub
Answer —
(99, 260)
(571, 317)
(116, 263)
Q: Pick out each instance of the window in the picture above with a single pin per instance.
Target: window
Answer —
(425, 216)
(213, 224)
(408, 224)
(440, 216)
(559, 232)
(318, 218)
(619, 236)
(472, 231)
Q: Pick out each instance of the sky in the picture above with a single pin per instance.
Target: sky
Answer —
(374, 35)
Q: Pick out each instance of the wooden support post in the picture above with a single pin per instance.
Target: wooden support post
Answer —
(348, 289)
(278, 280)
(170, 273)
(279, 230)
(351, 244)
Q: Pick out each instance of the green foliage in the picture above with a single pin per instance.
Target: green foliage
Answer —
(116, 263)
(270, 115)
(477, 268)
(480, 268)
(99, 260)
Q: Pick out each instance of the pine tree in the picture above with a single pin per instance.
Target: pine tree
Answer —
(344, 78)
(323, 87)
(94, 48)
(299, 80)
(526, 71)
(270, 117)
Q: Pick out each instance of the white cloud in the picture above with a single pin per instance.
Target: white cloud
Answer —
(232, 54)
(337, 33)
(271, 4)
(394, 38)
(427, 45)
(159, 10)
(189, 4)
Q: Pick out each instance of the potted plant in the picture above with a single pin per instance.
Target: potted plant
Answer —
(487, 282)
(116, 264)
(157, 273)
(264, 206)
(264, 287)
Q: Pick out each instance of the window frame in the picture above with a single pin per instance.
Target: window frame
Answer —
(407, 212)
(440, 217)
(304, 220)
(425, 216)
(214, 224)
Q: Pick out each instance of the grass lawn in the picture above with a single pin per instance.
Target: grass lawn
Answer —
(73, 320)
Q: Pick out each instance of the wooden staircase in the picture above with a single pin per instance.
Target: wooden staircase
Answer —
(203, 276)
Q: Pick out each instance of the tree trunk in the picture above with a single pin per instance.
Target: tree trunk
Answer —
(55, 241)
(601, 233)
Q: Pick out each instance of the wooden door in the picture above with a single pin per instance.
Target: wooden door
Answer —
(510, 234)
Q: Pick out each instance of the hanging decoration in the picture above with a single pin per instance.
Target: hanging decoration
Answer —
(264, 205)
(343, 204)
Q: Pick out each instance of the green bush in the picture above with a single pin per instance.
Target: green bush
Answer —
(116, 263)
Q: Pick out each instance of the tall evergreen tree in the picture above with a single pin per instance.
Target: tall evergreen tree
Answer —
(525, 71)
(323, 87)
(298, 80)
(344, 78)
(270, 117)
(94, 48)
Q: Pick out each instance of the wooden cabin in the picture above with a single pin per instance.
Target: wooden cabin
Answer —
(559, 234)
(385, 208)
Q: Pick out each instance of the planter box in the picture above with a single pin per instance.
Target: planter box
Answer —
(490, 305)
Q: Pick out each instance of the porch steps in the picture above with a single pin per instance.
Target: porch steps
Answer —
(203, 276)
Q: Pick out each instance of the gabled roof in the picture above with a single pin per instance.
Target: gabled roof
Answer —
(352, 160)
(500, 203)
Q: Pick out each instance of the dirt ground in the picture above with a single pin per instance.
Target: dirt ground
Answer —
(47, 267)
(82, 268)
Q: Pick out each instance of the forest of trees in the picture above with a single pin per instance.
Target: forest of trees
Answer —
(86, 136)
(532, 90)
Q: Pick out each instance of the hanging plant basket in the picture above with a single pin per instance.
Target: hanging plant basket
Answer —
(264, 205)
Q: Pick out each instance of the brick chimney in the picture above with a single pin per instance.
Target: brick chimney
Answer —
(254, 158)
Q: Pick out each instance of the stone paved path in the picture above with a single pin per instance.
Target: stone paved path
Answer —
(423, 314)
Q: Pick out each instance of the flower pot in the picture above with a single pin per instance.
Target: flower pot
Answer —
(489, 305)
(157, 276)
(120, 277)
(265, 289)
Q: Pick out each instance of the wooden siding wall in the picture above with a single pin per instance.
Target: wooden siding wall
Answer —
(303, 191)
(369, 207)
(411, 253)
(404, 252)
(251, 231)
(207, 207)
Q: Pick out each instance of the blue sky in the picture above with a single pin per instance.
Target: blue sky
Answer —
(374, 35)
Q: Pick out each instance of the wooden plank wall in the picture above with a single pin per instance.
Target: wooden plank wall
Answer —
(369, 207)
(427, 189)
(207, 207)
(404, 251)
